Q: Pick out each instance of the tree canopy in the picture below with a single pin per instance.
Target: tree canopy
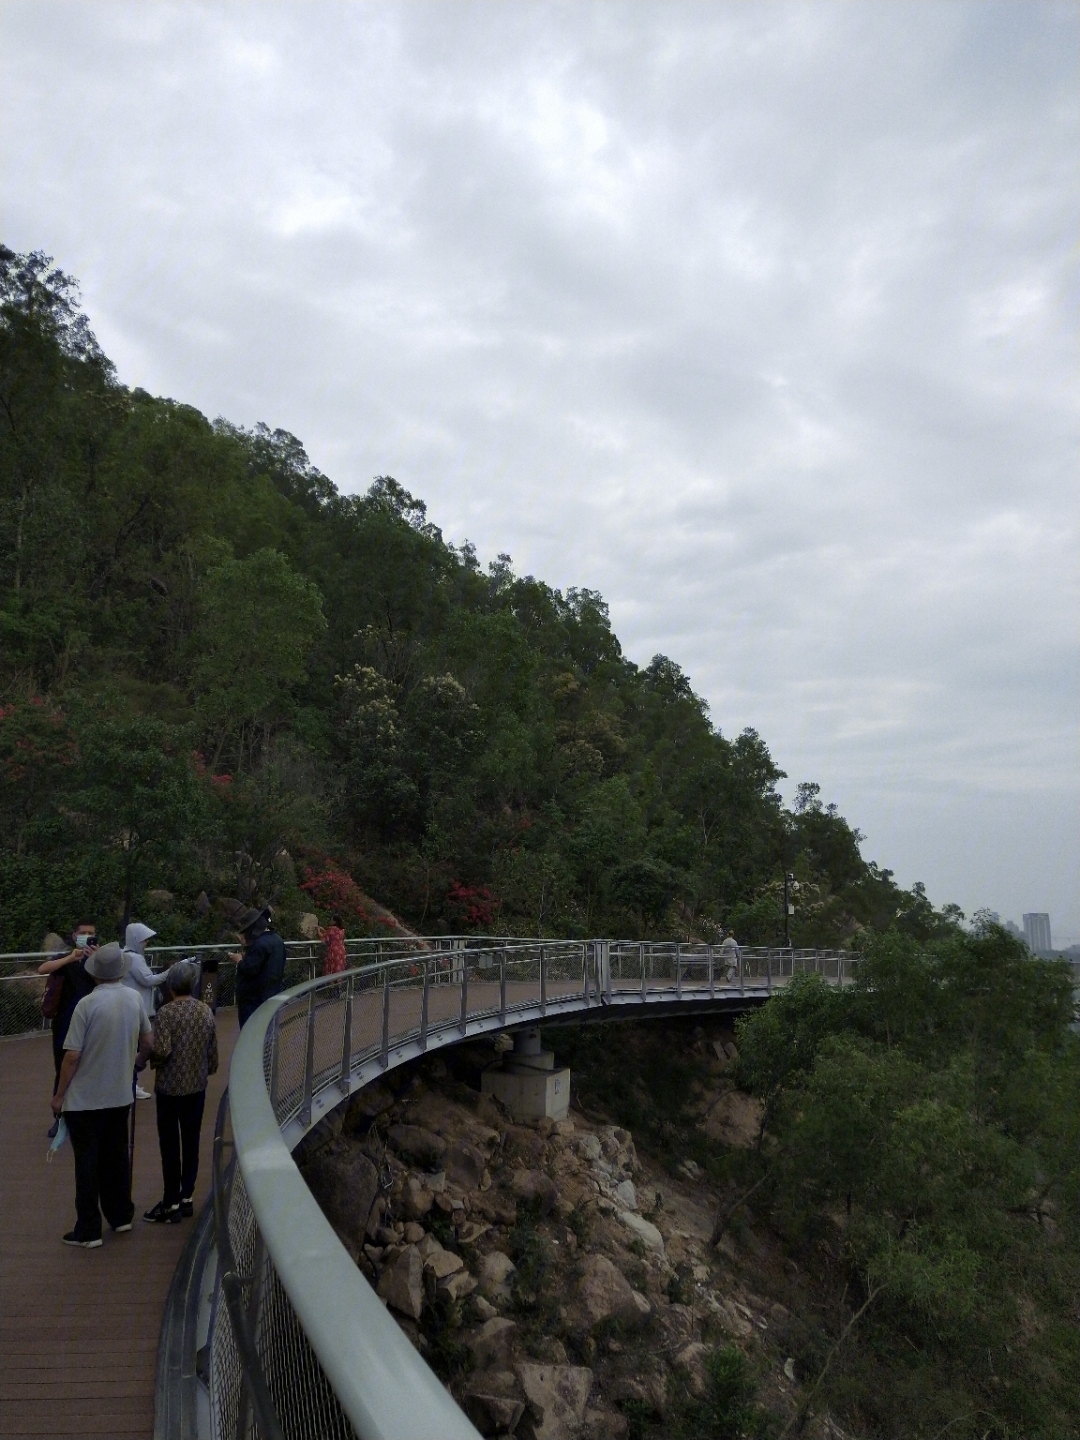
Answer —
(325, 679)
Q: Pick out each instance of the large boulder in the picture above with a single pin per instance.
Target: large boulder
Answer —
(413, 1142)
(345, 1183)
(465, 1166)
(644, 1230)
(492, 1401)
(534, 1186)
(603, 1293)
(557, 1396)
(495, 1272)
(690, 1362)
(402, 1283)
(367, 1105)
(491, 1343)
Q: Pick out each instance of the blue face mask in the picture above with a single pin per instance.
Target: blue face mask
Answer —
(59, 1134)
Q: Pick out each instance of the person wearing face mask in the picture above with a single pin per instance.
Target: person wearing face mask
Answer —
(74, 984)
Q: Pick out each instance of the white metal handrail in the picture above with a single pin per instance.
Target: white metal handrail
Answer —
(303, 1052)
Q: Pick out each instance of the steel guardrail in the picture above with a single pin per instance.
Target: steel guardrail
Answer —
(332, 1360)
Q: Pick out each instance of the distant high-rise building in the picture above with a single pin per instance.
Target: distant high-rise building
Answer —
(1037, 934)
(1014, 929)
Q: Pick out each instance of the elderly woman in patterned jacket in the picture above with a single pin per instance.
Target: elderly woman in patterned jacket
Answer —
(184, 1054)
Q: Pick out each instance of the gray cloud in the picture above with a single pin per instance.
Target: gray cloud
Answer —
(754, 317)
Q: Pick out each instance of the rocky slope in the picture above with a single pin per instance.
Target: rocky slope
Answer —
(558, 1278)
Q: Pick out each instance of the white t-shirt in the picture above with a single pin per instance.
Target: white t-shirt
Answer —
(106, 1027)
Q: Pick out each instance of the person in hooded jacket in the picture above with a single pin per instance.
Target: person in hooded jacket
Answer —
(140, 977)
(260, 970)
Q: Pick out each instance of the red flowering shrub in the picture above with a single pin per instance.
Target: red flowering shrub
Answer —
(334, 890)
(472, 906)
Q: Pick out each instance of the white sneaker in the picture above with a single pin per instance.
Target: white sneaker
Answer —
(141, 1094)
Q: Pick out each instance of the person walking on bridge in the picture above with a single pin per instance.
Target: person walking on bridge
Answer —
(109, 1032)
(260, 970)
(730, 955)
(184, 1054)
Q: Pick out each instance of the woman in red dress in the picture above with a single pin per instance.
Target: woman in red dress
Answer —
(333, 938)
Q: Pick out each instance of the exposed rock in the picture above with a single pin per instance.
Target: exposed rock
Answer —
(402, 1283)
(415, 1143)
(492, 1401)
(469, 1231)
(484, 1308)
(491, 1343)
(458, 1285)
(413, 1233)
(345, 1183)
(691, 1361)
(644, 1229)
(626, 1195)
(158, 899)
(726, 1246)
(442, 1262)
(649, 1387)
(606, 1425)
(416, 1199)
(534, 1185)
(465, 1165)
(603, 1293)
(589, 1147)
(735, 1119)
(789, 1368)
(557, 1396)
(367, 1105)
(495, 1272)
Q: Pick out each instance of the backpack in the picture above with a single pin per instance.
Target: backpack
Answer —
(50, 999)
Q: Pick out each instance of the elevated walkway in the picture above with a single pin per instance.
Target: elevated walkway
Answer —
(79, 1328)
(299, 1341)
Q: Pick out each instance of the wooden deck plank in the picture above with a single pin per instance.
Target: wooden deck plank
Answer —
(61, 1307)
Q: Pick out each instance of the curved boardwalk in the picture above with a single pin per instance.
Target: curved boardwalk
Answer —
(79, 1328)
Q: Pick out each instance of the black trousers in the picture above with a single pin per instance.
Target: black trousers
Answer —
(179, 1120)
(99, 1139)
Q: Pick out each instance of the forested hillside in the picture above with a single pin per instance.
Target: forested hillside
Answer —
(222, 678)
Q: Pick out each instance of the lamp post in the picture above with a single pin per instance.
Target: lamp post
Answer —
(790, 885)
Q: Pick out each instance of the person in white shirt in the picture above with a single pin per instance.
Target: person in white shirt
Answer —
(109, 1033)
(730, 955)
(140, 977)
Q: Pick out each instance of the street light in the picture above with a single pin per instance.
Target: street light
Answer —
(790, 886)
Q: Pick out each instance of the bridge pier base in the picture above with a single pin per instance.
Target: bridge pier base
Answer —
(527, 1083)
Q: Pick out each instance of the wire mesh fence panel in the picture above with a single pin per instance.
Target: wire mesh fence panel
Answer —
(328, 1024)
(304, 1400)
(291, 1051)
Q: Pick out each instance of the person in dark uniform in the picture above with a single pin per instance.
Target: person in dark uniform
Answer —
(260, 970)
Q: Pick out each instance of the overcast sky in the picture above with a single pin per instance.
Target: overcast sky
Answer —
(760, 319)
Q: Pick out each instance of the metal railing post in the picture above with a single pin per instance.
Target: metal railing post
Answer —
(712, 976)
(463, 1023)
(502, 986)
(585, 947)
(641, 958)
(770, 971)
(384, 1053)
(543, 979)
(309, 1062)
(346, 1039)
(424, 1006)
(678, 972)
